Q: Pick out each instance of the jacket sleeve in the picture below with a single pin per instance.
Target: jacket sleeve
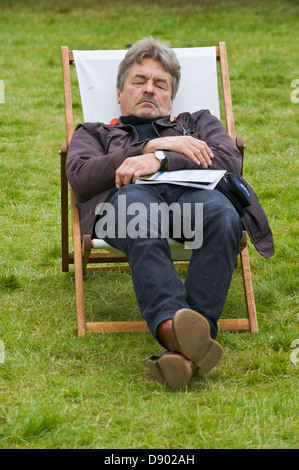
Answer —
(204, 126)
(89, 170)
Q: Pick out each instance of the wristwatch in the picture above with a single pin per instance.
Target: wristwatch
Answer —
(160, 155)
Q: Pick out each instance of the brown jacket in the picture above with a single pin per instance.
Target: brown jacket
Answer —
(97, 150)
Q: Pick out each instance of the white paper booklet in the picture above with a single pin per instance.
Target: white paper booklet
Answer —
(202, 179)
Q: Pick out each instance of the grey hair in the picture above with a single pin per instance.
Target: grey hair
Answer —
(150, 48)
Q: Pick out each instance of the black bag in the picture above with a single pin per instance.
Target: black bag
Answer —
(236, 190)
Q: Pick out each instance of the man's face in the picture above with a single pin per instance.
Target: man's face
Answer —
(147, 91)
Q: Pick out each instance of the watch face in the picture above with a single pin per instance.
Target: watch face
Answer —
(160, 155)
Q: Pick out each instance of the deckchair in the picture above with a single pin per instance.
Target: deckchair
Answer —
(96, 71)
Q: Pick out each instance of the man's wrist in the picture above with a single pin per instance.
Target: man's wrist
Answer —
(151, 145)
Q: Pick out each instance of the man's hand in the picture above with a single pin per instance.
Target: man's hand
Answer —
(134, 167)
(197, 150)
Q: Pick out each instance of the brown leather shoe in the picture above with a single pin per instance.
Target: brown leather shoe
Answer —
(171, 368)
(192, 334)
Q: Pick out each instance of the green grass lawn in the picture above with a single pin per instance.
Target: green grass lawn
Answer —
(61, 391)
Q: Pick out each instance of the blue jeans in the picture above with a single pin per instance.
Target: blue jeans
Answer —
(158, 288)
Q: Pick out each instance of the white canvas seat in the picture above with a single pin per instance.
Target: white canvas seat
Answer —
(97, 71)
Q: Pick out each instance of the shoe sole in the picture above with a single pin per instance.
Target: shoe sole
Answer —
(192, 333)
(171, 368)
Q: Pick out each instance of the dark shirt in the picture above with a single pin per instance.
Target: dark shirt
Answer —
(144, 127)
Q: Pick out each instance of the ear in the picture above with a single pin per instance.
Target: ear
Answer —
(118, 95)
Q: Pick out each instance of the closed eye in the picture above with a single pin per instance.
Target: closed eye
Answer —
(162, 87)
(162, 84)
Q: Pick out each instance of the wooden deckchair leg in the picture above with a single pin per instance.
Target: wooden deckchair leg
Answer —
(65, 59)
(79, 296)
(64, 209)
(248, 288)
(78, 265)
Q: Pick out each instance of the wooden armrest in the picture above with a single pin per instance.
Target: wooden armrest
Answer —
(240, 144)
(63, 148)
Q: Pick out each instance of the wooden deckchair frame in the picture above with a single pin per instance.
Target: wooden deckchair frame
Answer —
(82, 254)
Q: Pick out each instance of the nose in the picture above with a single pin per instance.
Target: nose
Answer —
(149, 87)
